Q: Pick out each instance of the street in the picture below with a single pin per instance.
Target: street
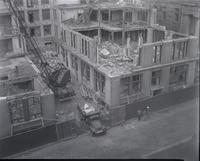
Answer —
(168, 128)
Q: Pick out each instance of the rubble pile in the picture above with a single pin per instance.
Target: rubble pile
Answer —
(117, 59)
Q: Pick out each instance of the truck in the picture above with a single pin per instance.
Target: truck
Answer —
(91, 116)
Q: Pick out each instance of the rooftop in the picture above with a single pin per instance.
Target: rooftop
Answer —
(15, 77)
(16, 68)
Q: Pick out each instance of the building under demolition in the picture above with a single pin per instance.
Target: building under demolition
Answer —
(118, 52)
(25, 100)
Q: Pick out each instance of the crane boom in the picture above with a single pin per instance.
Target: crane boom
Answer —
(56, 78)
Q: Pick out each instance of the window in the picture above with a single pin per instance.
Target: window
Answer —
(22, 15)
(54, 14)
(124, 86)
(47, 30)
(73, 40)
(158, 35)
(46, 14)
(130, 85)
(73, 61)
(85, 71)
(16, 111)
(43, 2)
(66, 58)
(35, 31)
(136, 84)
(142, 15)
(56, 30)
(164, 14)
(19, 3)
(157, 92)
(33, 16)
(24, 109)
(128, 16)
(179, 50)
(64, 35)
(196, 79)
(178, 75)
(105, 15)
(32, 3)
(34, 107)
(176, 14)
(157, 54)
(156, 77)
(99, 81)
(85, 47)
(76, 63)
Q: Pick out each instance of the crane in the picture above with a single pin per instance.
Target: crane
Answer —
(57, 78)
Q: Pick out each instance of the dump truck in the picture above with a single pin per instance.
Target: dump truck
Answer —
(91, 116)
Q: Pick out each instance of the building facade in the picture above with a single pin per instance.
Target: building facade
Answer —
(181, 16)
(25, 100)
(11, 41)
(121, 55)
(40, 17)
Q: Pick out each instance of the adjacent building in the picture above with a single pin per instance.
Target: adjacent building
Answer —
(25, 100)
(40, 17)
(11, 41)
(118, 52)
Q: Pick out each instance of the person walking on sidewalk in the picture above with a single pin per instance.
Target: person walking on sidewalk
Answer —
(139, 114)
(147, 111)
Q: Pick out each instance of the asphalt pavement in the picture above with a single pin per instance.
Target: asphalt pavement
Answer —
(162, 130)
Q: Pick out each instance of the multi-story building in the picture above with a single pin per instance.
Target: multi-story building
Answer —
(25, 100)
(179, 15)
(11, 41)
(40, 17)
(117, 52)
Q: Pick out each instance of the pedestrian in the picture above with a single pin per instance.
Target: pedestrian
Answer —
(139, 113)
(144, 113)
(147, 110)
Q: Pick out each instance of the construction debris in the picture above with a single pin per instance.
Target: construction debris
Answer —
(114, 59)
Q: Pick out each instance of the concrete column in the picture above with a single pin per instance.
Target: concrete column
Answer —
(15, 42)
(41, 20)
(112, 93)
(123, 17)
(69, 60)
(146, 82)
(48, 106)
(123, 37)
(149, 35)
(5, 123)
(134, 15)
(109, 14)
(166, 53)
(79, 70)
(146, 55)
(152, 18)
(112, 36)
(165, 75)
(91, 77)
(191, 73)
(192, 48)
